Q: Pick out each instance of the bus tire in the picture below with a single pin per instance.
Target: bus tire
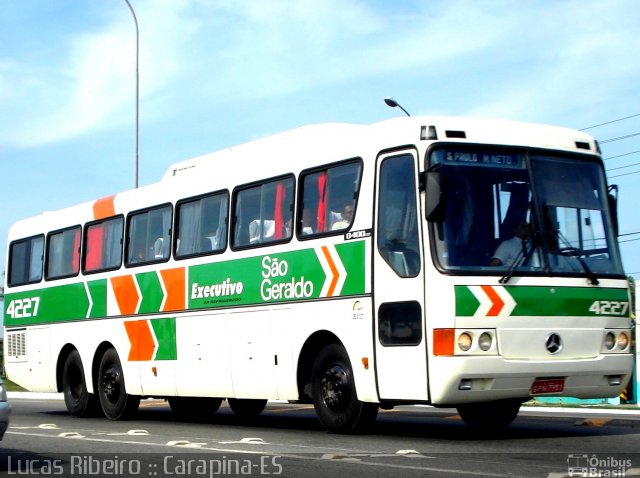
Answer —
(246, 408)
(116, 403)
(78, 400)
(493, 415)
(334, 393)
(194, 407)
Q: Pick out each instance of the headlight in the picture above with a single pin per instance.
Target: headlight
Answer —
(610, 341)
(464, 341)
(484, 341)
(623, 341)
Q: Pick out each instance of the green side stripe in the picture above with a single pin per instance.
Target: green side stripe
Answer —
(546, 301)
(352, 256)
(270, 278)
(151, 291)
(466, 302)
(561, 301)
(98, 292)
(67, 302)
(165, 331)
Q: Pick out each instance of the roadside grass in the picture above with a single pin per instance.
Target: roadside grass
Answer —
(11, 387)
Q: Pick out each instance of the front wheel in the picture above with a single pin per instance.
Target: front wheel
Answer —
(334, 393)
(490, 415)
(79, 402)
(116, 403)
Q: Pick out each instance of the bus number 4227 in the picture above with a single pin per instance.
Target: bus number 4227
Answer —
(609, 307)
(21, 308)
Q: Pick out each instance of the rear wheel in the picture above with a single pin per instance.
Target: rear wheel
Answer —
(194, 407)
(246, 408)
(116, 403)
(334, 393)
(490, 415)
(79, 402)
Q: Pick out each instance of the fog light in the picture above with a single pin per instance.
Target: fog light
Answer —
(610, 341)
(464, 341)
(465, 384)
(623, 341)
(615, 380)
(484, 341)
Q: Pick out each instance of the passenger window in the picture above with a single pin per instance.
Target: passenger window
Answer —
(329, 197)
(63, 253)
(202, 225)
(397, 236)
(103, 245)
(263, 213)
(25, 261)
(149, 236)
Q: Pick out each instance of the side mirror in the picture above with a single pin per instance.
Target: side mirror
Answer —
(435, 199)
(613, 206)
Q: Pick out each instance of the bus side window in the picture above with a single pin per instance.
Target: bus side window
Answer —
(328, 199)
(63, 253)
(25, 261)
(103, 245)
(149, 235)
(202, 225)
(263, 213)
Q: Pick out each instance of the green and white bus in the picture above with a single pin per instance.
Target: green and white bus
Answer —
(349, 266)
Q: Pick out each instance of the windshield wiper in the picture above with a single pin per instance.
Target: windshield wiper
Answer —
(521, 259)
(577, 253)
(512, 268)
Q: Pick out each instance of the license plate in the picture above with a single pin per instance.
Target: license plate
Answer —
(554, 385)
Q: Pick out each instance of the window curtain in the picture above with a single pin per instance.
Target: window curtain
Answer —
(112, 244)
(221, 235)
(277, 213)
(75, 253)
(166, 232)
(322, 202)
(94, 247)
(190, 228)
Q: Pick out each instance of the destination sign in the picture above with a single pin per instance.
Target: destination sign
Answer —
(480, 158)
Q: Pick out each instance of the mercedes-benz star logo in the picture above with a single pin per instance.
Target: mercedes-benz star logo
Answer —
(553, 343)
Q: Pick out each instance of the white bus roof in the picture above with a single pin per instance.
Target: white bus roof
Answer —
(347, 140)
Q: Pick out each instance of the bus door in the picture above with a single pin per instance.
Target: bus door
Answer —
(398, 280)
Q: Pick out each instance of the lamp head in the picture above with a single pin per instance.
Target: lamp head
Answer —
(390, 102)
(393, 104)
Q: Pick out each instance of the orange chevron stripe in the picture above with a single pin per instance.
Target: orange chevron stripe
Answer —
(104, 207)
(174, 284)
(141, 339)
(124, 288)
(334, 271)
(498, 303)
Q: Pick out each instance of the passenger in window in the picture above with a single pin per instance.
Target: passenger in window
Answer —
(513, 249)
(346, 217)
(138, 255)
(210, 241)
(261, 230)
(158, 248)
(307, 222)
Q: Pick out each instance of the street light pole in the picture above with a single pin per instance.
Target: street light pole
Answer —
(394, 104)
(137, 94)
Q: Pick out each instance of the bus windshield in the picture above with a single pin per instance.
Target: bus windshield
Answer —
(523, 212)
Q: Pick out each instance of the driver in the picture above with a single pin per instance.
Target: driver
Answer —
(511, 249)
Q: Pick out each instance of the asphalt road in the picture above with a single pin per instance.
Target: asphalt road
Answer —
(287, 440)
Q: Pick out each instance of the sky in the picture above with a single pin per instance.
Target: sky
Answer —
(215, 73)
